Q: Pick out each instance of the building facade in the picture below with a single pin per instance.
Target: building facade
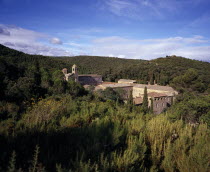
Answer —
(161, 103)
(89, 79)
(138, 90)
(159, 97)
(126, 88)
(126, 81)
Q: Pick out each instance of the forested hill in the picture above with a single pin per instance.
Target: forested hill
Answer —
(103, 65)
(182, 63)
(161, 70)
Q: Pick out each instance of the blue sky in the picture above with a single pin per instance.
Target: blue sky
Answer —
(137, 29)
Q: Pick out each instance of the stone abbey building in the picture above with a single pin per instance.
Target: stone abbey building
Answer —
(92, 79)
(160, 97)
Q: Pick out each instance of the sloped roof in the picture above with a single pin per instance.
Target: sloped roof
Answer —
(155, 94)
(103, 83)
(154, 87)
(92, 75)
(116, 85)
(127, 80)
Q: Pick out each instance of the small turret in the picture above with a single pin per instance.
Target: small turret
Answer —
(65, 71)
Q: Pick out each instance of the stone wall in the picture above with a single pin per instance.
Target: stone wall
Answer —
(126, 91)
(161, 103)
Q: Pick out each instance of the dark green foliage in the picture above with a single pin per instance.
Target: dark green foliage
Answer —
(100, 136)
(191, 108)
(205, 118)
(75, 89)
(59, 85)
(111, 94)
(189, 81)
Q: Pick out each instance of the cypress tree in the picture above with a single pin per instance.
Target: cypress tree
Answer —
(145, 101)
(151, 81)
(151, 107)
(130, 101)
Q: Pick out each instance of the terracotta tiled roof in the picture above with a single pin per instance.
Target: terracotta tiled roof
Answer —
(155, 94)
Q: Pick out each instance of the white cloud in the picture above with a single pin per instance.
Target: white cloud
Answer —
(56, 41)
(193, 47)
(4, 32)
(29, 41)
(17, 34)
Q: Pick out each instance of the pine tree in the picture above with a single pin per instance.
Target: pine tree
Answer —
(11, 167)
(34, 164)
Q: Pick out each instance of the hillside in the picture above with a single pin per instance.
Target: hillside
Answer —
(161, 70)
(48, 124)
(100, 65)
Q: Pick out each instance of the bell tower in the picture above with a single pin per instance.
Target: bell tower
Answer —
(75, 72)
